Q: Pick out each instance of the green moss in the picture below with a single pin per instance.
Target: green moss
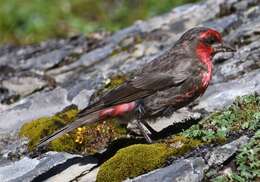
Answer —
(84, 140)
(133, 161)
(39, 128)
(242, 115)
(64, 143)
(139, 159)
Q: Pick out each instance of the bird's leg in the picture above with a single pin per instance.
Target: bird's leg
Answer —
(151, 130)
(140, 112)
(144, 133)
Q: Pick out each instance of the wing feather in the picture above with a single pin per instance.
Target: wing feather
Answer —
(137, 88)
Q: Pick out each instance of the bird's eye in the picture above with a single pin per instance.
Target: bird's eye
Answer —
(210, 40)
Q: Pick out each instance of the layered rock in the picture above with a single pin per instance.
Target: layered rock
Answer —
(41, 80)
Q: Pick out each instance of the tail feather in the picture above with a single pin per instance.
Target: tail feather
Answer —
(88, 119)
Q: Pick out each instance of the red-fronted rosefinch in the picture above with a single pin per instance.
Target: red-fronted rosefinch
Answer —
(172, 80)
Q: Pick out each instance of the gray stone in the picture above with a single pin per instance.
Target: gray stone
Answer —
(246, 34)
(177, 117)
(84, 168)
(12, 147)
(223, 94)
(17, 169)
(221, 154)
(90, 176)
(79, 70)
(27, 169)
(45, 61)
(24, 85)
(38, 105)
(223, 24)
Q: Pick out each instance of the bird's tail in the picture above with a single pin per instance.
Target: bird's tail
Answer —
(88, 119)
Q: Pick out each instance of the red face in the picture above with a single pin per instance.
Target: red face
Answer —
(210, 42)
(210, 37)
(205, 41)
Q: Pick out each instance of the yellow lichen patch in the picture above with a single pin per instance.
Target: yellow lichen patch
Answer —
(180, 144)
(80, 134)
(114, 82)
(133, 161)
(109, 84)
(94, 137)
(39, 128)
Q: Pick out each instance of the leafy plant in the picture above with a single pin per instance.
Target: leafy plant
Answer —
(242, 115)
(248, 160)
(247, 163)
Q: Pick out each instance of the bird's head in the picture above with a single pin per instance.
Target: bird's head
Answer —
(206, 41)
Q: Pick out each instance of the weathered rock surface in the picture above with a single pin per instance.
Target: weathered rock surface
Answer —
(27, 169)
(223, 153)
(41, 80)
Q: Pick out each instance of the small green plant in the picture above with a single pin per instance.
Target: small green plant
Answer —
(248, 160)
(242, 115)
(247, 163)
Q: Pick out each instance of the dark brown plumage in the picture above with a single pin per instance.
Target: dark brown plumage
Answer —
(172, 80)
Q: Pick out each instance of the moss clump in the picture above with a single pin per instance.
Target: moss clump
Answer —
(242, 115)
(133, 161)
(85, 139)
(64, 143)
(139, 159)
(39, 128)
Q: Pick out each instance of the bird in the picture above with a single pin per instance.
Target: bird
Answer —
(171, 80)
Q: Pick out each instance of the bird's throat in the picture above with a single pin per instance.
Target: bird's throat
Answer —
(204, 54)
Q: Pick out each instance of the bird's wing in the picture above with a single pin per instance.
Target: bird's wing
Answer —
(137, 88)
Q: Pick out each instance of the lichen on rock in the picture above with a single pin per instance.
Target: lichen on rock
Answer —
(181, 144)
(115, 81)
(38, 128)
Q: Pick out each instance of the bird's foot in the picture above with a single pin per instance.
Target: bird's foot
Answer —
(144, 133)
(150, 129)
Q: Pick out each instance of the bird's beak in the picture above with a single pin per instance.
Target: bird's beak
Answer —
(222, 48)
